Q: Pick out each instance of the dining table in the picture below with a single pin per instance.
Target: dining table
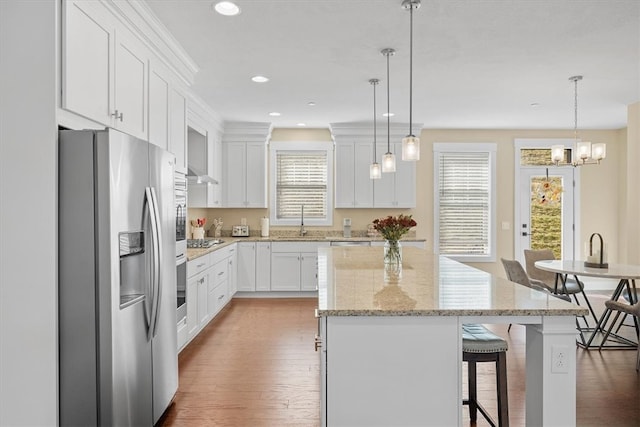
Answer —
(594, 337)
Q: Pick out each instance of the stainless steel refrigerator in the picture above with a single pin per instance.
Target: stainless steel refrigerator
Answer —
(118, 363)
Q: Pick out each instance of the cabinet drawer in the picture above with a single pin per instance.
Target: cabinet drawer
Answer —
(219, 273)
(197, 265)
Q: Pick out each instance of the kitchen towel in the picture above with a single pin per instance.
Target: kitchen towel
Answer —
(264, 227)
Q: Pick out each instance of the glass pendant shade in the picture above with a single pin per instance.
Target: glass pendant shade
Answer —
(374, 171)
(599, 151)
(583, 151)
(410, 148)
(389, 162)
(557, 153)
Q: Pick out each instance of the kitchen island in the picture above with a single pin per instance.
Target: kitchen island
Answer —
(391, 339)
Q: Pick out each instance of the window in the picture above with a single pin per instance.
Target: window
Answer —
(464, 205)
(301, 176)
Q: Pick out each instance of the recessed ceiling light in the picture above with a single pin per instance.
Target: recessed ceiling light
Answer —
(311, 104)
(388, 114)
(260, 79)
(274, 114)
(302, 124)
(227, 8)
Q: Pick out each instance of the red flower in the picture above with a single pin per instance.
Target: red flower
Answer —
(393, 228)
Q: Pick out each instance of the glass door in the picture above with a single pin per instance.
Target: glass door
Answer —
(545, 218)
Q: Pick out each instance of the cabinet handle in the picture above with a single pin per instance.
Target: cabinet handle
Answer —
(317, 342)
(221, 273)
(118, 116)
(220, 297)
(201, 265)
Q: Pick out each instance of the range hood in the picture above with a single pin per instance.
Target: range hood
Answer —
(195, 176)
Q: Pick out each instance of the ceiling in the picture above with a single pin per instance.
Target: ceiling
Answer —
(478, 64)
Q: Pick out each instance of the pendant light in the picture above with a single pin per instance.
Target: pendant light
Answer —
(583, 153)
(374, 169)
(411, 143)
(389, 159)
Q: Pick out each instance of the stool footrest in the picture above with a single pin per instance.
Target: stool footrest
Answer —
(483, 411)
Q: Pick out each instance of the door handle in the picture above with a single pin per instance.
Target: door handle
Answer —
(524, 233)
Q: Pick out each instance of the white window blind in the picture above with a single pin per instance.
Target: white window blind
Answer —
(301, 179)
(464, 203)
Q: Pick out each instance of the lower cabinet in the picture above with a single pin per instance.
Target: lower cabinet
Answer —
(211, 283)
(246, 266)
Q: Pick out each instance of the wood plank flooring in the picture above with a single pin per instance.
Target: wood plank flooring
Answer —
(255, 365)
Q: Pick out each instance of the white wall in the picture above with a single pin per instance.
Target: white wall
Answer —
(28, 214)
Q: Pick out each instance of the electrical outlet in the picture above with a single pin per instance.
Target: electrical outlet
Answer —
(560, 359)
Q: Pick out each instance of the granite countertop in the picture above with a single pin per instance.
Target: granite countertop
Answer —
(354, 282)
(193, 253)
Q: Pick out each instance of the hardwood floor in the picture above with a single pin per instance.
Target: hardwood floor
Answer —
(255, 365)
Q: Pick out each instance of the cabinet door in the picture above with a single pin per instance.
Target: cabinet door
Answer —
(345, 183)
(405, 182)
(178, 128)
(256, 178)
(130, 82)
(215, 191)
(233, 186)
(263, 266)
(203, 295)
(246, 266)
(192, 305)
(308, 272)
(87, 71)
(233, 272)
(384, 188)
(158, 109)
(363, 194)
(286, 271)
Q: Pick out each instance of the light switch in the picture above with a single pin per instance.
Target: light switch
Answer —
(506, 225)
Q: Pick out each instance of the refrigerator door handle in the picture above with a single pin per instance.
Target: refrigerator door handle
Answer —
(147, 216)
(153, 219)
(157, 294)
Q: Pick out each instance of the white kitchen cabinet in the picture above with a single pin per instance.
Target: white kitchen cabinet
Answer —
(232, 265)
(218, 287)
(396, 190)
(246, 266)
(104, 69)
(285, 267)
(178, 128)
(263, 266)
(158, 107)
(294, 265)
(130, 83)
(353, 188)
(87, 45)
(197, 312)
(244, 175)
(309, 271)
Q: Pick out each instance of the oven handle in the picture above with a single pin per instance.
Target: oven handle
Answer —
(181, 259)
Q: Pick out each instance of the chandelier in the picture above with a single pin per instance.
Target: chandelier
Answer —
(583, 153)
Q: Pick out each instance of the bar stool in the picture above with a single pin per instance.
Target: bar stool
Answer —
(481, 345)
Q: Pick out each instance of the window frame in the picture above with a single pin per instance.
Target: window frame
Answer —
(300, 147)
(466, 147)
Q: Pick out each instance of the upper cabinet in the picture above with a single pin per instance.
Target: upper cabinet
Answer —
(119, 70)
(178, 128)
(354, 154)
(244, 164)
(87, 52)
(104, 69)
(354, 189)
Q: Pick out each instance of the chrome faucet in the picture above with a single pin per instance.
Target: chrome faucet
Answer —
(302, 230)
